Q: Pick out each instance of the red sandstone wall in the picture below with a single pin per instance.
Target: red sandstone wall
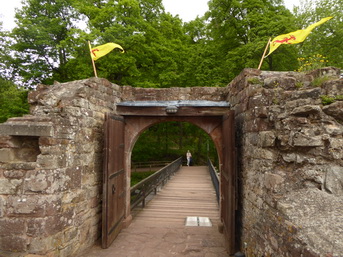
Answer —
(290, 163)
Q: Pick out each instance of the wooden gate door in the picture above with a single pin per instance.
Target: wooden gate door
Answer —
(113, 205)
(228, 182)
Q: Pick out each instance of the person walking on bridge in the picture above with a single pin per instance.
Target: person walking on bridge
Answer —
(189, 157)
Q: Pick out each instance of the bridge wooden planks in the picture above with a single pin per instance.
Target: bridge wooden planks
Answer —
(159, 229)
(189, 193)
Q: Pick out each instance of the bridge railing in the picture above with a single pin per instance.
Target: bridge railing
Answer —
(151, 165)
(143, 189)
(214, 177)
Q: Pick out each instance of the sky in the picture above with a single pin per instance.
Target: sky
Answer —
(186, 9)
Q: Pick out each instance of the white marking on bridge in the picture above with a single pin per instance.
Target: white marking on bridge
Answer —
(198, 222)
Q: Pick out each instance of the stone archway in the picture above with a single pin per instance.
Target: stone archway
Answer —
(208, 116)
(134, 126)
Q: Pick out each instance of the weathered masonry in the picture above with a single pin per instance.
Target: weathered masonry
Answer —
(289, 194)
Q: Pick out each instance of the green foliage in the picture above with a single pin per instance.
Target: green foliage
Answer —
(327, 38)
(326, 100)
(317, 82)
(239, 32)
(13, 100)
(160, 50)
(170, 140)
(313, 62)
(299, 84)
(41, 42)
(254, 80)
(50, 41)
(136, 177)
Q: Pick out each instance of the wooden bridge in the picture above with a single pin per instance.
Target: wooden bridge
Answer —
(181, 220)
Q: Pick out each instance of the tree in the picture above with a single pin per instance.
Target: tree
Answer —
(170, 140)
(326, 39)
(154, 42)
(13, 100)
(239, 30)
(41, 41)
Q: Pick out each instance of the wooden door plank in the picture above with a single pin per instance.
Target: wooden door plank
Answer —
(228, 182)
(113, 205)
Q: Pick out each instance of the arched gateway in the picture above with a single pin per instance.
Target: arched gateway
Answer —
(122, 131)
(64, 175)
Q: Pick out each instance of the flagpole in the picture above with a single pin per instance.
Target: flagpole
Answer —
(264, 53)
(90, 50)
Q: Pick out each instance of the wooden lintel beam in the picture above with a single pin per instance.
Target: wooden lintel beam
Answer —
(181, 111)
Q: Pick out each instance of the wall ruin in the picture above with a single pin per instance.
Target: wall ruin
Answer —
(51, 165)
(289, 152)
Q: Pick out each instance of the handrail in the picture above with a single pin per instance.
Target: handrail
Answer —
(150, 165)
(142, 189)
(214, 177)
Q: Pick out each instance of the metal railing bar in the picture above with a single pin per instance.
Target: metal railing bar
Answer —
(144, 188)
(214, 178)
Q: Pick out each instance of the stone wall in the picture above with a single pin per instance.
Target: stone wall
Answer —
(51, 165)
(51, 170)
(290, 151)
(289, 164)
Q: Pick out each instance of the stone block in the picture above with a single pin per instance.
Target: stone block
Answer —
(12, 227)
(67, 250)
(314, 174)
(13, 243)
(300, 139)
(24, 205)
(291, 104)
(304, 94)
(50, 254)
(273, 181)
(334, 180)
(333, 128)
(333, 87)
(7, 155)
(284, 82)
(326, 71)
(336, 143)
(14, 174)
(33, 205)
(36, 227)
(9, 186)
(41, 245)
(256, 125)
(24, 166)
(2, 206)
(6, 142)
(70, 234)
(37, 184)
(258, 100)
(267, 138)
(306, 110)
(50, 161)
(45, 181)
(251, 139)
(261, 112)
(290, 157)
(240, 108)
(264, 154)
(74, 176)
(335, 110)
(27, 129)
(336, 148)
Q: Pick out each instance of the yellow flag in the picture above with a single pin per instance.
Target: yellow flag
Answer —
(294, 37)
(100, 51)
